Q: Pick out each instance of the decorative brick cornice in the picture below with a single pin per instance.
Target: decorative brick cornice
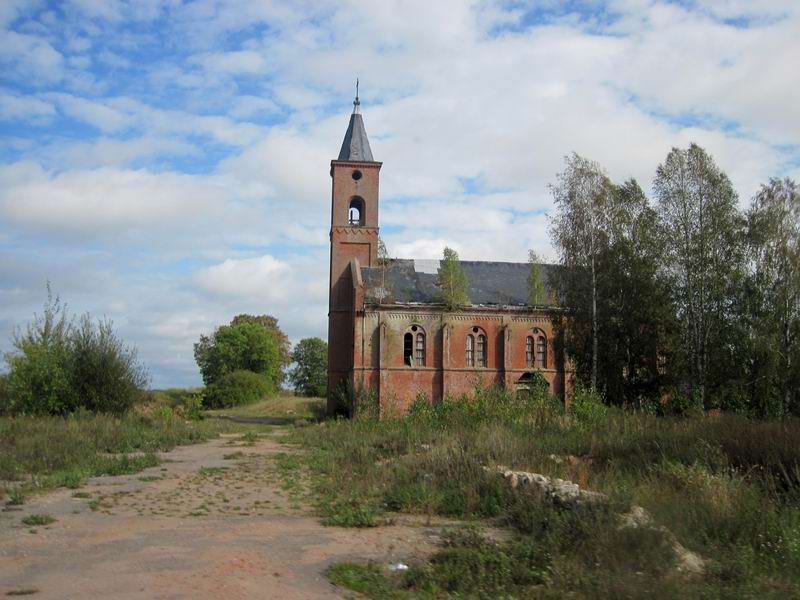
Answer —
(355, 230)
(361, 164)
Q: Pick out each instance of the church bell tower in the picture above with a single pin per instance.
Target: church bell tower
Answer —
(354, 239)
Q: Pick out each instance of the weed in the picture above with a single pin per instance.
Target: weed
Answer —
(81, 495)
(351, 513)
(211, 471)
(38, 519)
(369, 580)
(149, 478)
(249, 438)
(16, 497)
(726, 487)
(23, 592)
(51, 452)
(233, 455)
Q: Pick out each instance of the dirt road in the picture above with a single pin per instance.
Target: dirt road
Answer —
(212, 522)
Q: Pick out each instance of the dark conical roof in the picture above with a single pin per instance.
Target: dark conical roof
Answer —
(356, 145)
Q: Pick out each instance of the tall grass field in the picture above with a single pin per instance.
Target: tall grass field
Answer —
(726, 488)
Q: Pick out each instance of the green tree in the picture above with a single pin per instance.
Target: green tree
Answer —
(774, 300)
(270, 323)
(703, 263)
(629, 305)
(537, 294)
(310, 375)
(245, 346)
(635, 312)
(582, 196)
(453, 282)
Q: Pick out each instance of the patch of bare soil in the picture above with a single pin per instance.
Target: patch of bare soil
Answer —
(212, 522)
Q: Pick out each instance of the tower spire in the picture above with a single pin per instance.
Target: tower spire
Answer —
(356, 145)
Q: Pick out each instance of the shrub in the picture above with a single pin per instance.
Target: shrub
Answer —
(57, 367)
(238, 388)
(587, 406)
(105, 373)
(38, 519)
(5, 395)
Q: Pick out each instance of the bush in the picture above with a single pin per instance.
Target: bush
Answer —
(587, 406)
(238, 388)
(58, 367)
(105, 373)
(5, 395)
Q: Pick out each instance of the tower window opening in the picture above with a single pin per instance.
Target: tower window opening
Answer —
(470, 351)
(408, 349)
(355, 214)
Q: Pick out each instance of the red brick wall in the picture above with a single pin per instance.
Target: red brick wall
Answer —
(379, 352)
(348, 243)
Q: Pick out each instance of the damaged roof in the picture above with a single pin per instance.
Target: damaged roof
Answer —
(408, 281)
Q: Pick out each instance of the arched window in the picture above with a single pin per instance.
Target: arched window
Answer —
(414, 346)
(470, 351)
(420, 349)
(408, 349)
(529, 351)
(481, 350)
(541, 352)
(355, 214)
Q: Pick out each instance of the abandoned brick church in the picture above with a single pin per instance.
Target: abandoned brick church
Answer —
(386, 331)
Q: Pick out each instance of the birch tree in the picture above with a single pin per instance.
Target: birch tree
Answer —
(453, 283)
(579, 228)
(537, 294)
(702, 251)
(774, 251)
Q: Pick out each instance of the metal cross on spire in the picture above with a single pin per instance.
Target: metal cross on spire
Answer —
(356, 102)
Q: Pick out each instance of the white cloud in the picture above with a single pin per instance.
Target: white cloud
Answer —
(31, 58)
(232, 63)
(264, 277)
(16, 106)
(190, 204)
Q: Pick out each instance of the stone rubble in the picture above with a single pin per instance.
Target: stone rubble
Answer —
(567, 494)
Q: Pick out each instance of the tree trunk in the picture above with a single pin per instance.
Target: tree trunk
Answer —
(594, 326)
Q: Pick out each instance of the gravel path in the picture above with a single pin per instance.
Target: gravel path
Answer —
(211, 522)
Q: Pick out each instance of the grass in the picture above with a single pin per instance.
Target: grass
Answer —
(727, 488)
(281, 409)
(41, 453)
(38, 519)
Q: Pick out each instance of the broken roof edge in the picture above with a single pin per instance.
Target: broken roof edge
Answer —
(440, 307)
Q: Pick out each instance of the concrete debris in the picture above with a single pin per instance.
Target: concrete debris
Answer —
(567, 494)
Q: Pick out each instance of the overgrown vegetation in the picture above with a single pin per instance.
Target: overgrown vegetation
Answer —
(238, 388)
(46, 452)
(59, 366)
(685, 297)
(452, 281)
(726, 487)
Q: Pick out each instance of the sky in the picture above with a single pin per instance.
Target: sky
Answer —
(165, 163)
